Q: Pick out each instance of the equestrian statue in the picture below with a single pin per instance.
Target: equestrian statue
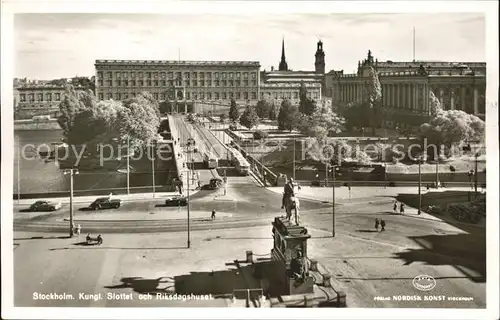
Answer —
(290, 201)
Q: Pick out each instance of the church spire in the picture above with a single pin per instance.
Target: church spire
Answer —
(283, 65)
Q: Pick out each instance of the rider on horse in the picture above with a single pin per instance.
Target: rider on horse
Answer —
(288, 192)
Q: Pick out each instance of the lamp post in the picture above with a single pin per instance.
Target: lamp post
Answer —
(128, 164)
(153, 151)
(419, 185)
(188, 194)
(476, 155)
(72, 172)
(18, 169)
(333, 201)
(294, 159)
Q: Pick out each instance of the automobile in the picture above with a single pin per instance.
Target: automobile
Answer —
(215, 183)
(233, 127)
(43, 205)
(176, 201)
(105, 203)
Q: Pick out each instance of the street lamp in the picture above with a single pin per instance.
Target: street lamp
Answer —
(333, 201)
(189, 143)
(72, 172)
(128, 162)
(420, 159)
(153, 151)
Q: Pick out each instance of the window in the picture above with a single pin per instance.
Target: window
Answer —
(148, 83)
(162, 96)
(223, 75)
(245, 83)
(118, 75)
(155, 95)
(110, 96)
(254, 95)
(224, 83)
(231, 83)
(186, 75)
(58, 97)
(238, 83)
(245, 95)
(118, 83)
(163, 83)
(119, 96)
(231, 95)
(195, 75)
(209, 95)
(195, 83)
(22, 97)
(238, 75)
(156, 83)
(171, 83)
(155, 75)
(132, 75)
(40, 97)
(125, 75)
(209, 83)
(316, 95)
(132, 83)
(238, 95)
(253, 75)
(223, 96)
(170, 75)
(195, 96)
(110, 83)
(202, 75)
(141, 83)
(31, 97)
(140, 75)
(254, 82)
(209, 75)
(216, 75)
(178, 75)
(148, 75)
(162, 75)
(186, 83)
(125, 96)
(100, 82)
(295, 95)
(216, 94)
(48, 96)
(245, 75)
(230, 75)
(202, 83)
(216, 82)
(202, 95)
(109, 74)
(188, 96)
(125, 83)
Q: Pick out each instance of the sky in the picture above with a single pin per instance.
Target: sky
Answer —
(48, 46)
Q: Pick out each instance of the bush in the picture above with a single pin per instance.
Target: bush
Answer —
(259, 134)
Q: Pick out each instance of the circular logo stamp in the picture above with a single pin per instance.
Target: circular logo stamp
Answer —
(424, 282)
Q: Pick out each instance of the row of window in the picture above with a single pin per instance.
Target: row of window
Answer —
(170, 75)
(189, 95)
(186, 83)
(288, 95)
(39, 97)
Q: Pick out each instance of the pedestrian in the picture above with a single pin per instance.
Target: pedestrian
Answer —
(395, 207)
(382, 224)
(213, 214)
(402, 208)
(376, 224)
(78, 230)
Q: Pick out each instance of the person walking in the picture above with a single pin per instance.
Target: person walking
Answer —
(382, 225)
(78, 230)
(402, 208)
(395, 207)
(376, 224)
(213, 214)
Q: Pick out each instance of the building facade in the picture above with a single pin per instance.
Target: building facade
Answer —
(406, 87)
(36, 99)
(179, 82)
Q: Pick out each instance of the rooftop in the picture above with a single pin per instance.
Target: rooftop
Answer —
(179, 62)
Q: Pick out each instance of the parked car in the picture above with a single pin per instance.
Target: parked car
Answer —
(215, 183)
(43, 205)
(105, 203)
(176, 201)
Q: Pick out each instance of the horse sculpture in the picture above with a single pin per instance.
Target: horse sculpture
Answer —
(292, 203)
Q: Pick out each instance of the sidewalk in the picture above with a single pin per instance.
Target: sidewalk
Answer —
(173, 214)
(90, 199)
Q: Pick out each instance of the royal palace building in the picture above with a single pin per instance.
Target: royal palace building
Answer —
(180, 83)
(406, 87)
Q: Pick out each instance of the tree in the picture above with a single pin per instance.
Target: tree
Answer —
(453, 127)
(434, 104)
(288, 116)
(321, 123)
(263, 108)
(306, 105)
(357, 115)
(374, 95)
(259, 134)
(249, 118)
(234, 114)
(222, 117)
(273, 111)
